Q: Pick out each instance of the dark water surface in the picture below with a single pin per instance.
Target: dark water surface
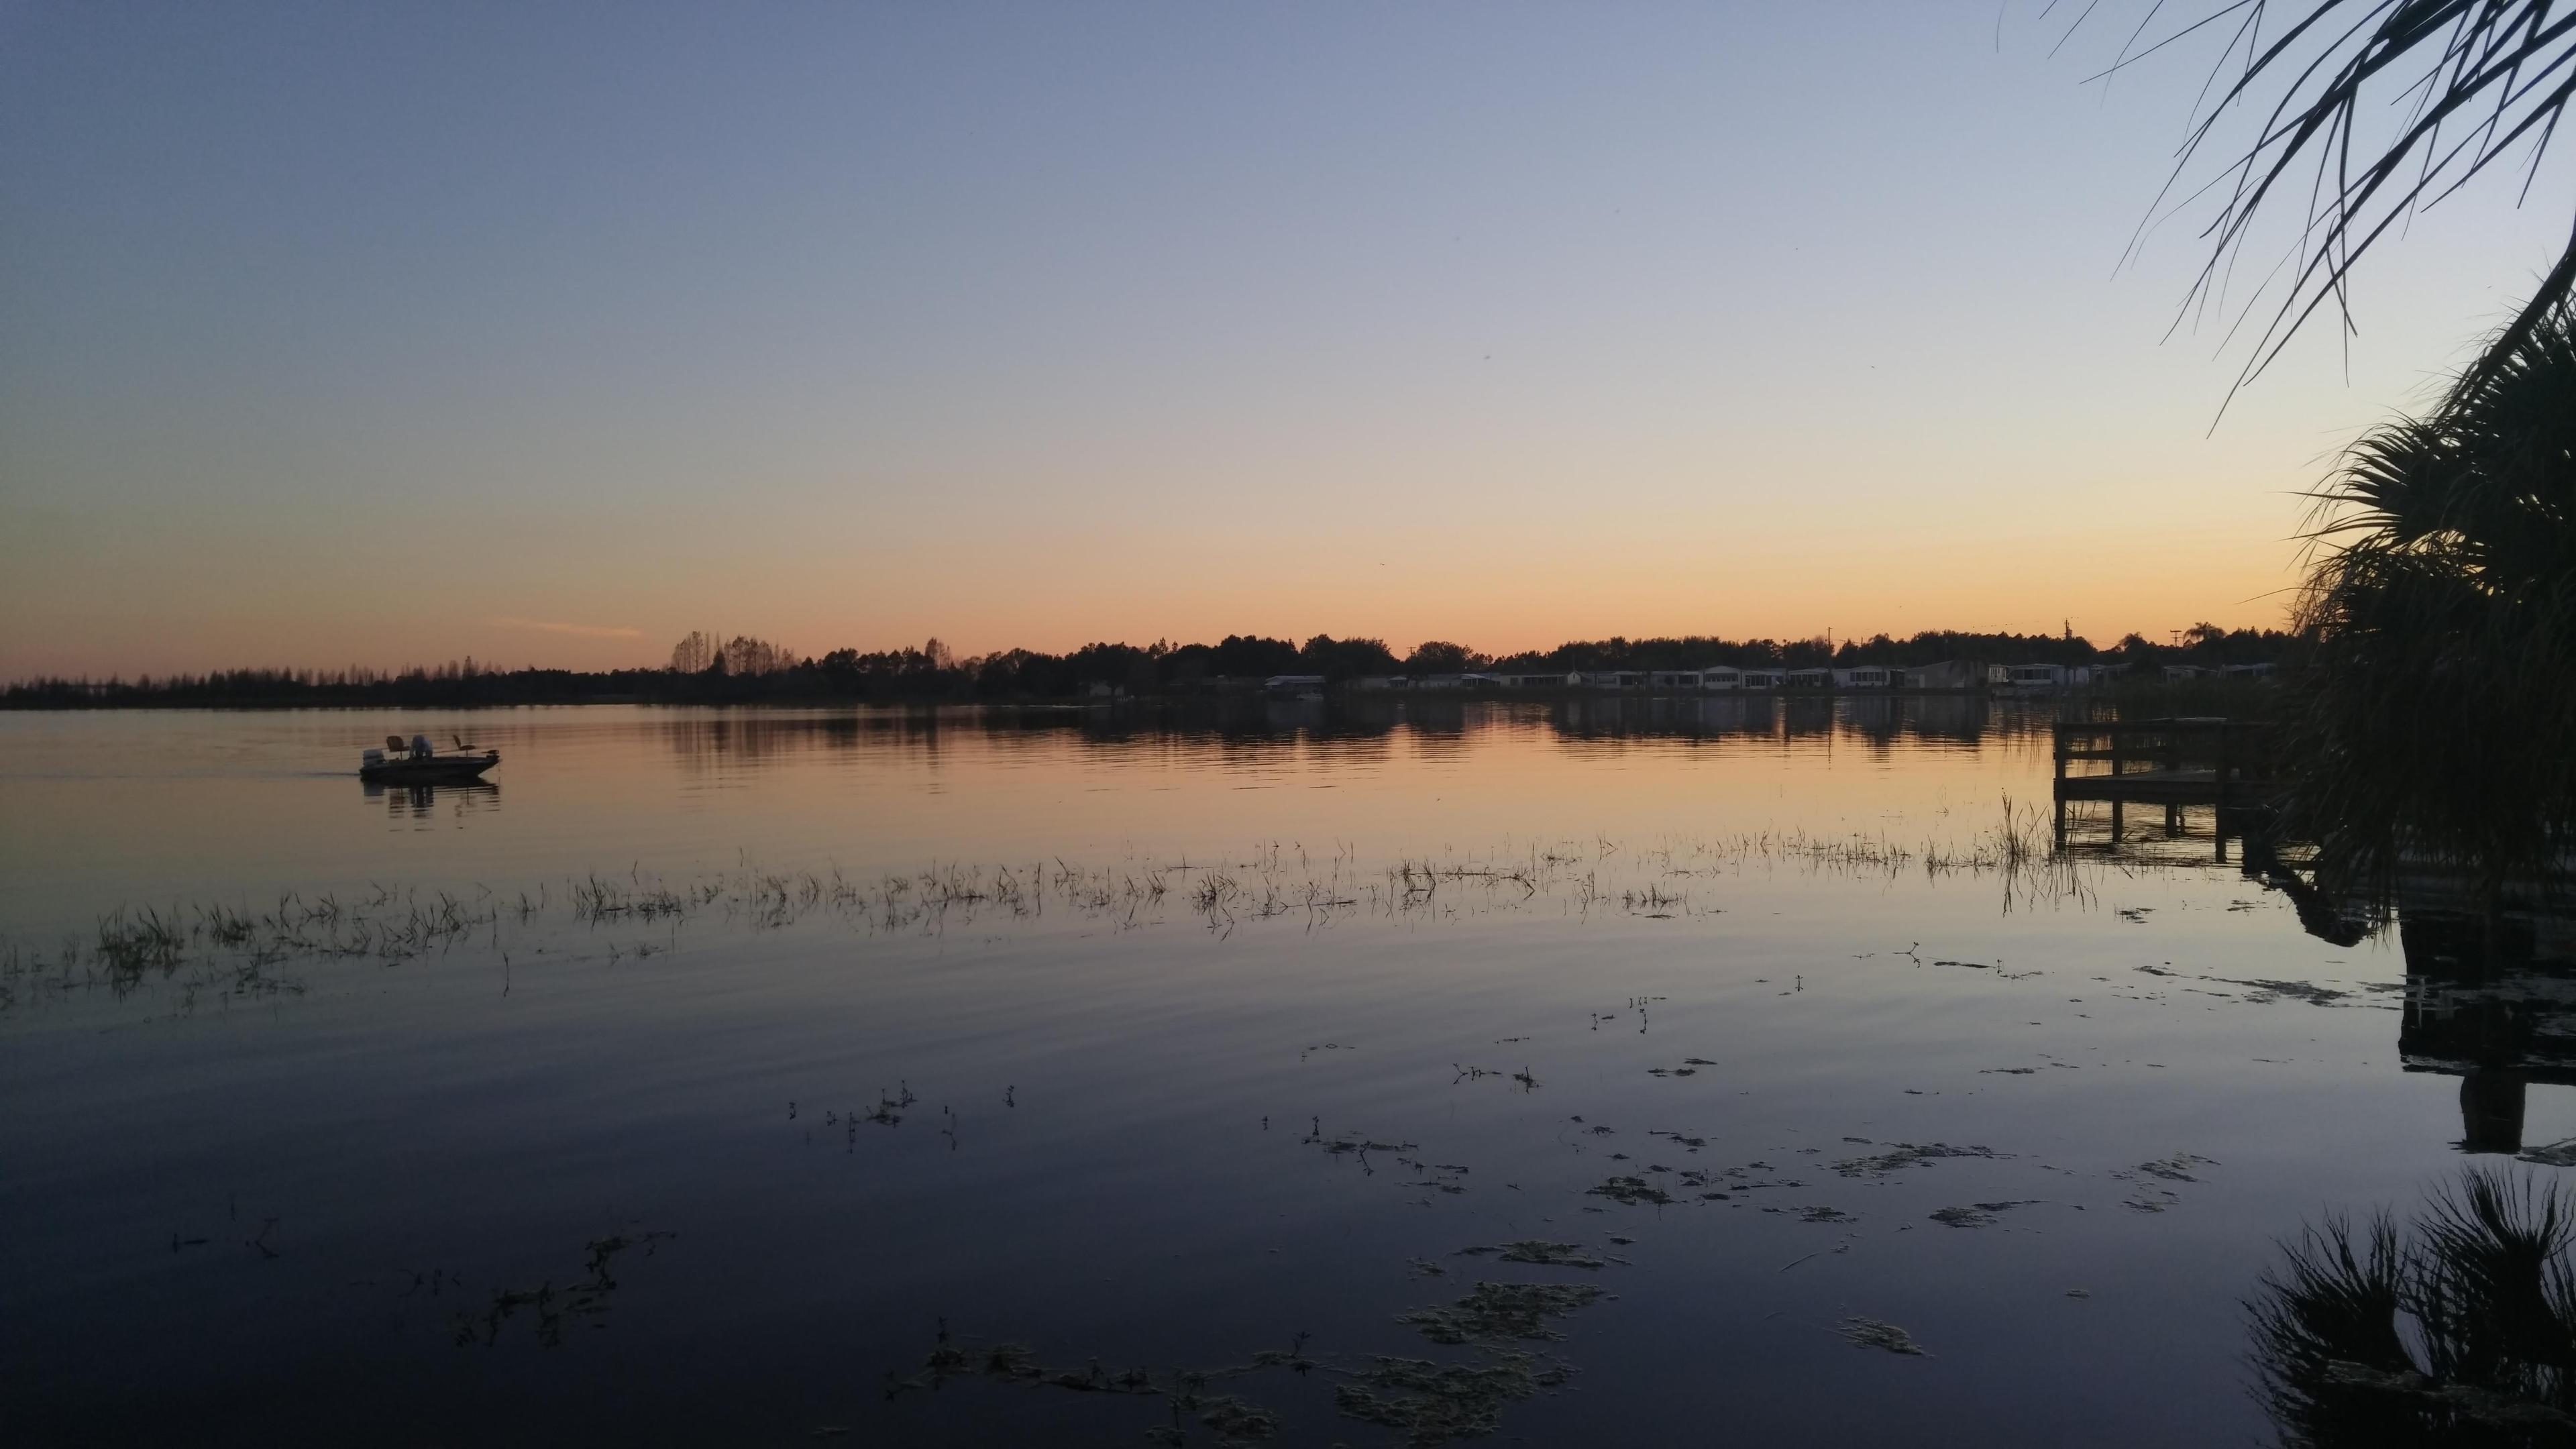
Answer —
(1150, 1046)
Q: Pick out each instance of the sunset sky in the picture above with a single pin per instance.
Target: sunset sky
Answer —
(547, 333)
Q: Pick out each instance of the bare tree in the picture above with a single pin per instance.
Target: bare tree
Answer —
(692, 654)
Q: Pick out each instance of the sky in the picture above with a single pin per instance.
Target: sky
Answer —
(392, 334)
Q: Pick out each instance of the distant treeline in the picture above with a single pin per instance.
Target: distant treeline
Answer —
(745, 670)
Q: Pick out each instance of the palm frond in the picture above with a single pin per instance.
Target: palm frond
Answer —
(2475, 80)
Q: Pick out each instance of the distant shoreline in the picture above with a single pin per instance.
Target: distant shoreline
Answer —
(327, 698)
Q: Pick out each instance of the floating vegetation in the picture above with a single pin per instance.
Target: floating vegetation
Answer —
(1538, 1251)
(1631, 1191)
(1902, 1155)
(2177, 1168)
(1501, 1311)
(1978, 1215)
(1871, 1333)
(1439, 1403)
(584, 1302)
(2263, 992)
(1431, 1402)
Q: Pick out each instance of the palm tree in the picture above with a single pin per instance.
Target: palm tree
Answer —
(2437, 720)
(2371, 109)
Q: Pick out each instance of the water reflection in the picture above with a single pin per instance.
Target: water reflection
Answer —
(702, 739)
(2490, 1000)
(463, 799)
(2457, 1327)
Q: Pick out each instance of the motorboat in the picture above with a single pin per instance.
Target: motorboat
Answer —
(419, 763)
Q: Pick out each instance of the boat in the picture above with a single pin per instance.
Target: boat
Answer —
(419, 764)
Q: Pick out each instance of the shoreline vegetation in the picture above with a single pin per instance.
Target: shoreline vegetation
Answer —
(213, 950)
(746, 670)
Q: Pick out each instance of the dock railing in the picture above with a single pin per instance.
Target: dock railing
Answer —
(2228, 764)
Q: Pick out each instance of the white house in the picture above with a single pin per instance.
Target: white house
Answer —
(1616, 679)
(1865, 676)
(1674, 679)
(2046, 676)
(1721, 676)
(1760, 678)
(2176, 673)
(1810, 679)
(1541, 679)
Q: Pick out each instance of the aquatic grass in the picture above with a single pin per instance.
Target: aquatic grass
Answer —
(638, 914)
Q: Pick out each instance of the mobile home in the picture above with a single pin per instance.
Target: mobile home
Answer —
(1948, 674)
(1760, 679)
(1810, 679)
(2047, 676)
(1721, 676)
(1865, 676)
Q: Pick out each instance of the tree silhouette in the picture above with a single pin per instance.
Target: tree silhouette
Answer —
(2468, 83)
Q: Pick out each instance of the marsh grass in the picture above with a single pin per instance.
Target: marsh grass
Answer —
(225, 950)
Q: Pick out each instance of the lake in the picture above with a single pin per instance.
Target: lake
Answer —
(1597, 1072)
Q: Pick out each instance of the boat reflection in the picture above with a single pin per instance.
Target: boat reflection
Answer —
(422, 802)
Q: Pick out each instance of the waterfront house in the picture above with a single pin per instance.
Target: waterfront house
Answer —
(1810, 679)
(2247, 671)
(1292, 683)
(1615, 679)
(1539, 679)
(1760, 678)
(2047, 676)
(2177, 673)
(1674, 679)
(1721, 676)
(1948, 674)
(1865, 676)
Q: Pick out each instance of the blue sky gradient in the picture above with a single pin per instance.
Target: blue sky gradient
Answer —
(341, 333)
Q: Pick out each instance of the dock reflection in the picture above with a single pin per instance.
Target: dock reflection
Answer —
(2490, 999)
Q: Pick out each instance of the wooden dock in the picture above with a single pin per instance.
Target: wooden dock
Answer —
(2224, 764)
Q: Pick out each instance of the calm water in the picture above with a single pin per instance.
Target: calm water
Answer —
(682, 1086)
